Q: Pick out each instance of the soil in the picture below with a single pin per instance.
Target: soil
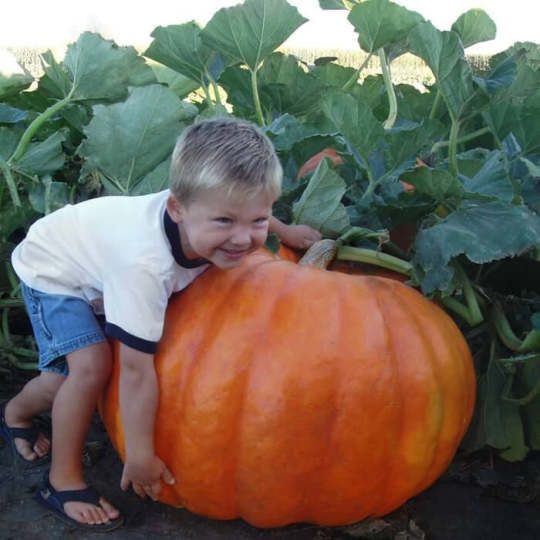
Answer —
(478, 498)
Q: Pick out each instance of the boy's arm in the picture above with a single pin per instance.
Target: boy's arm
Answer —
(138, 405)
(295, 236)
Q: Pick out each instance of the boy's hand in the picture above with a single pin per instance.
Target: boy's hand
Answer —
(299, 236)
(145, 477)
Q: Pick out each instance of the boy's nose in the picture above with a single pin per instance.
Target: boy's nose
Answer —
(241, 236)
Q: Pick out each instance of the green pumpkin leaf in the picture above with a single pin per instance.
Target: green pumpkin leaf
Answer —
(381, 23)
(100, 70)
(48, 195)
(156, 180)
(492, 179)
(44, 157)
(482, 232)
(126, 141)
(13, 84)
(285, 131)
(181, 85)
(444, 54)
(9, 137)
(179, 47)
(436, 184)
(250, 32)
(11, 115)
(502, 420)
(475, 26)
(355, 121)
(320, 205)
(287, 88)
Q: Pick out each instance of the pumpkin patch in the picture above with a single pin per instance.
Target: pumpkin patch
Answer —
(293, 394)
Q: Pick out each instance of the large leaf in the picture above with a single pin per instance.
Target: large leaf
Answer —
(502, 420)
(444, 54)
(355, 121)
(287, 87)
(285, 131)
(125, 141)
(475, 26)
(48, 195)
(10, 86)
(320, 205)
(9, 137)
(180, 48)
(435, 184)
(482, 232)
(381, 23)
(520, 119)
(181, 85)
(251, 31)
(100, 70)
(44, 157)
(492, 179)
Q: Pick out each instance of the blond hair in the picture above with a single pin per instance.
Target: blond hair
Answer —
(224, 152)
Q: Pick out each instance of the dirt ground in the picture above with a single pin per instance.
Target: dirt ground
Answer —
(476, 499)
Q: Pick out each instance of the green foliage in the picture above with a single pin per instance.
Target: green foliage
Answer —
(104, 119)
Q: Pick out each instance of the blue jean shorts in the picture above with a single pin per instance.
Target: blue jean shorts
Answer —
(62, 324)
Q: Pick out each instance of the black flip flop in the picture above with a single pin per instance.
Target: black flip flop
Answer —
(54, 501)
(30, 434)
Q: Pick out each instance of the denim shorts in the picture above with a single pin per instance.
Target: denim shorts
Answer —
(62, 324)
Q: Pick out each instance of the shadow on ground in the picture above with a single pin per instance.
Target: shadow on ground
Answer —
(475, 500)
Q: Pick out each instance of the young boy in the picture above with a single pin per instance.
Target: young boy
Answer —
(123, 257)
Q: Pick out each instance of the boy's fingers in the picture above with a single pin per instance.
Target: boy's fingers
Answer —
(167, 476)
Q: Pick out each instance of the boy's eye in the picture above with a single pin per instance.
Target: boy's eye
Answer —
(223, 219)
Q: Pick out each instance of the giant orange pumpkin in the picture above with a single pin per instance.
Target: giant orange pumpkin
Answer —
(293, 394)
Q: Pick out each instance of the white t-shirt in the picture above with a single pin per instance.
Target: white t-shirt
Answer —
(120, 254)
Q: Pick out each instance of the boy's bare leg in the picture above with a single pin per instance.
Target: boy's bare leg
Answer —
(36, 397)
(73, 407)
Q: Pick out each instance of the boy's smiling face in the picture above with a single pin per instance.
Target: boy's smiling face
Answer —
(220, 228)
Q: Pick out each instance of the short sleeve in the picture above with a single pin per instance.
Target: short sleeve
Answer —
(135, 302)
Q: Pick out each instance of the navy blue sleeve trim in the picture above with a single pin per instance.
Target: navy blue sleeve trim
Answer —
(128, 339)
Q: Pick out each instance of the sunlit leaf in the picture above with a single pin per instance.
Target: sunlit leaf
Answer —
(249, 32)
(475, 26)
(126, 141)
(320, 205)
(380, 23)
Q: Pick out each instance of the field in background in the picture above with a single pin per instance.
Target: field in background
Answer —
(407, 69)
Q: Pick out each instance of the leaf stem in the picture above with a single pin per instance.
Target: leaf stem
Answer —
(464, 139)
(452, 150)
(377, 258)
(256, 100)
(11, 184)
(356, 75)
(507, 335)
(436, 103)
(36, 124)
(392, 100)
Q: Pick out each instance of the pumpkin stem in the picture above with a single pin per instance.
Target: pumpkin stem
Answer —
(320, 254)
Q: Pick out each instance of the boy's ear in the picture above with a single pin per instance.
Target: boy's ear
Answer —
(175, 209)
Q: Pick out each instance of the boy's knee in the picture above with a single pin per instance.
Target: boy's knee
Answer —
(50, 383)
(92, 366)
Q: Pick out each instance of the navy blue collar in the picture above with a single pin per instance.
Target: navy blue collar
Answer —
(171, 230)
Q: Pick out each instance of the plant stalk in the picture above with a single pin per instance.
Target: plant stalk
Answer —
(11, 184)
(36, 124)
(377, 258)
(464, 139)
(256, 100)
(452, 150)
(436, 103)
(356, 75)
(392, 100)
